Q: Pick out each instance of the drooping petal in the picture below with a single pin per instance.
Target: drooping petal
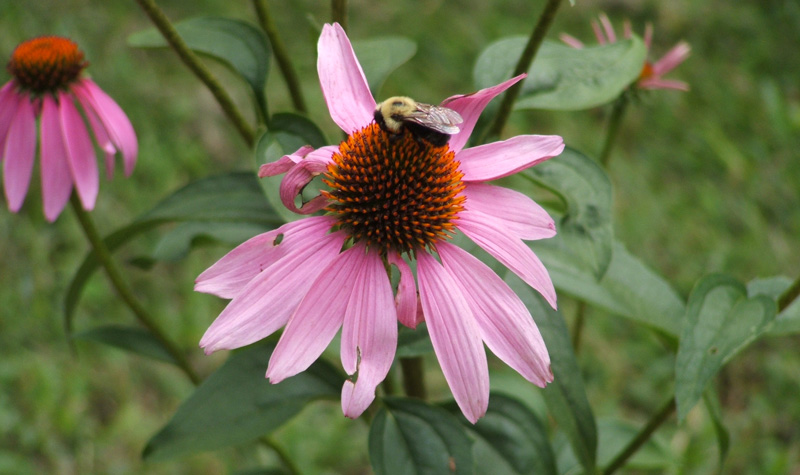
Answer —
(506, 326)
(369, 335)
(296, 180)
(116, 123)
(103, 140)
(513, 211)
(455, 336)
(470, 107)
(18, 154)
(318, 317)
(229, 275)
(498, 159)
(80, 151)
(608, 27)
(672, 59)
(512, 252)
(285, 163)
(344, 85)
(658, 83)
(406, 299)
(269, 299)
(8, 108)
(598, 33)
(56, 177)
(571, 41)
(648, 35)
(627, 29)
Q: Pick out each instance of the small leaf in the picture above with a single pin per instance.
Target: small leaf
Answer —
(788, 321)
(234, 198)
(409, 436)
(566, 395)
(720, 321)
(629, 288)
(237, 44)
(380, 56)
(135, 340)
(510, 439)
(237, 404)
(562, 77)
(585, 231)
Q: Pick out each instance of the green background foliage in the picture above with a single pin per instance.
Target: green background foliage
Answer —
(703, 182)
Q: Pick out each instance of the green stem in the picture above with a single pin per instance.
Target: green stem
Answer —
(643, 436)
(577, 329)
(115, 276)
(523, 65)
(281, 55)
(614, 121)
(339, 12)
(413, 379)
(191, 60)
(789, 296)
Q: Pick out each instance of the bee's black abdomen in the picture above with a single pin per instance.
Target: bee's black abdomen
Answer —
(436, 139)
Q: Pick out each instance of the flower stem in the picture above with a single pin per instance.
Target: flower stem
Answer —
(281, 55)
(789, 296)
(191, 60)
(339, 12)
(413, 380)
(115, 276)
(643, 436)
(523, 65)
(614, 121)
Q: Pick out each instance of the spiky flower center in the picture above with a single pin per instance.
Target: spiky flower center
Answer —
(46, 63)
(396, 192)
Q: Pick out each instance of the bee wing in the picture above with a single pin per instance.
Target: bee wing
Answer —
(440, 119)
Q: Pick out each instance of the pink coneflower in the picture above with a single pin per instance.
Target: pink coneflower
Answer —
(652, 74)
(391, 199)
(46, 84)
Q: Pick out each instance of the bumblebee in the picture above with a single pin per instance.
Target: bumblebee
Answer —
(433, 124)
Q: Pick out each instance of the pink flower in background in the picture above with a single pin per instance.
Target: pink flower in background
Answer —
(46, 84)
(391, 198)
(652, 74)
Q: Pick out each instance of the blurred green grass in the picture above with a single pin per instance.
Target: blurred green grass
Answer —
(704, 181)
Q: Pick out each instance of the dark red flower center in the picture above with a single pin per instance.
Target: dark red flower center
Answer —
(46, 63)
(396, 192)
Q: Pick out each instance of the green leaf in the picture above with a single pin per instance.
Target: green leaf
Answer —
(788, 321)
(566, 395)
(628, 289)
(510, 439)
(711, 400)
(135, 340)
(232, 198)
(585, 232)
(380, 56)
(176, 244)
(286, 134)
(237, 44)
(409, 436)
(237, 404)
(720, 321)
(562, 77)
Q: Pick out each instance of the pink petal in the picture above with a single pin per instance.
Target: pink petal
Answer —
(285, 163)
(498, 159)
(269, 299)
(80, 151)
(672, 59)
(512, 252)
(609, 29)
(470, 107)
(229, 275)
(648, 35)
(318, 317)
(598, 33)
(56, 177)
(296, 180)
(406, 299)
(8, 108)
(455, 336)
(571, 41)
(116, 123)
(369, 335)
(506, 326)
(103, 140)
(343, 82)
(658, 83)
(627, 30)
(18, 154)
(509, 210)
